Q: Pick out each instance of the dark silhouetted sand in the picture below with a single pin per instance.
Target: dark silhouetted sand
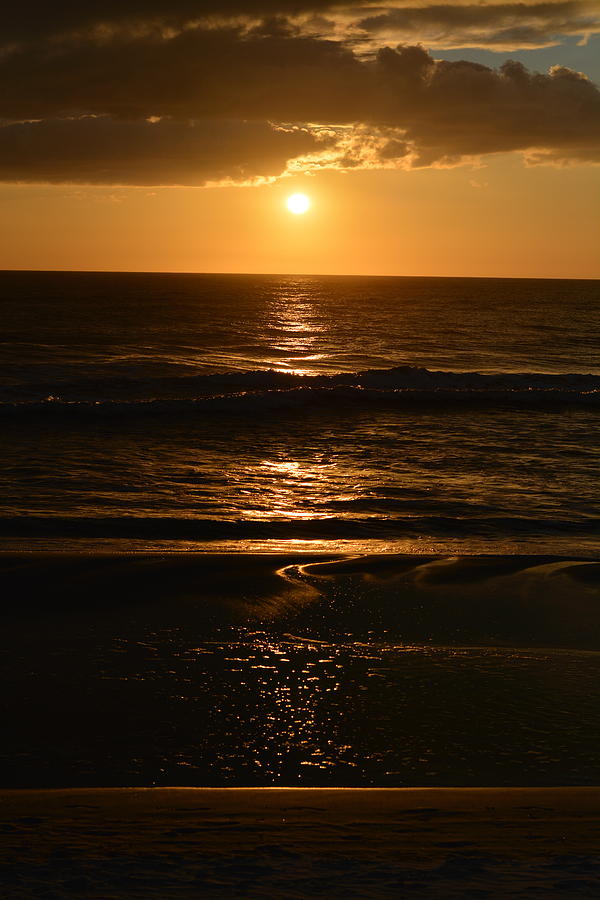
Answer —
(301, 843)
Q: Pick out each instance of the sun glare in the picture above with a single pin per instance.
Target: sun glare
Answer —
(298, 203)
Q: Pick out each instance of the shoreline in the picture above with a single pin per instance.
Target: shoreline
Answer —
(520, 600)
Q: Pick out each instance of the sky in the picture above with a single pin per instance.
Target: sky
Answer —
(431, 138)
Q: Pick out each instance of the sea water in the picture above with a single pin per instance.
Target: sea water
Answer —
(354, 412)
(191, 413)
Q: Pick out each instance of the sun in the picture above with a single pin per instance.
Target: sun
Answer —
(298, 204)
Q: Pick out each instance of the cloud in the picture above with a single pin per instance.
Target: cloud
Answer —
(462, 23)
(496, 26)
(43, 19)
(104, 151)
(198, 73)
(463, 109)
(238, 102)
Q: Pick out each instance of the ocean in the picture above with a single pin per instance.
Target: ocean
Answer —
(299, 530)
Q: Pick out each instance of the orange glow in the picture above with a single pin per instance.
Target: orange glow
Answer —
(423, 222)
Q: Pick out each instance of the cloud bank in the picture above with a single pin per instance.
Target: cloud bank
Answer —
(197, 93)
(521, 22)
(100, 150)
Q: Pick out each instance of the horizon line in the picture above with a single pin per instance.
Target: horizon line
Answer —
(300, 274)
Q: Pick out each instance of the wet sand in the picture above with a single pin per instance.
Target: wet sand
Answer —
(164, 842)
(492, 600)
(301, 843)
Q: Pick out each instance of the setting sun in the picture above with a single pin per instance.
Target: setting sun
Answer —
(298, 203)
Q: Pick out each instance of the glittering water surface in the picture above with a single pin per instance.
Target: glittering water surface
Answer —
(259, 708)
(74, 326)
(318, 414)
(280, 408)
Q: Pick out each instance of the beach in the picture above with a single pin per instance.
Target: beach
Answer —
(510, 599)
(300, 586)
(291, 843)
(299, 418)
(307, 670)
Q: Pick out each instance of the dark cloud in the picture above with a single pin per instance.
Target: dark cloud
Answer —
(492, 25)
(200, 73)
(456, 24)
(220, 90)
(104, 151)
(42, 18)
(467, 109)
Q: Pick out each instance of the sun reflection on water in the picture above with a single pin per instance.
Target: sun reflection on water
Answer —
(297, 329)
(263, 707)
(293, 489)
(287, 683)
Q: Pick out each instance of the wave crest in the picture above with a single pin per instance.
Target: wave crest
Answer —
(254, 392)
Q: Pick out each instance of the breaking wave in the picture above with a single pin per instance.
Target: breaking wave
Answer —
(256, 392)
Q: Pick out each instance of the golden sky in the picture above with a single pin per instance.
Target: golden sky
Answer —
(432, 139)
